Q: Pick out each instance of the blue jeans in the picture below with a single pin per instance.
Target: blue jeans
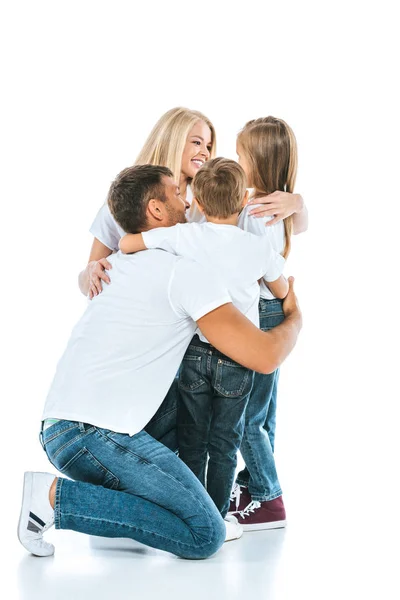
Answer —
(130, 487)
(258, 442)
(214, 391)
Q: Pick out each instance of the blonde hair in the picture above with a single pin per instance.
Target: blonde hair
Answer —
(220, 187)
(167, 140)
(270, 148)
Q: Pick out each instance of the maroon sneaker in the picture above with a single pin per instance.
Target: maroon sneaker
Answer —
(240, 498)
(263, 515)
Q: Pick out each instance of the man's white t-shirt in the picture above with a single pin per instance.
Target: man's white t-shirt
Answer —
(275, 234)
(108, 232)
(237, 258)
(126, 349)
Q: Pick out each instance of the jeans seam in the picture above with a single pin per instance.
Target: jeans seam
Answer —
(131, 527)
(57, 499)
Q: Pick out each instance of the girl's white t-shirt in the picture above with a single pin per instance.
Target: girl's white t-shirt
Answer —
(108, 232)
(275, 234)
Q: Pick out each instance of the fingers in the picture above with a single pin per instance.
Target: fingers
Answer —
(291, 282)
(95, 284)
(103, 275)
(263, 211)
(107, 265)
(273, 221)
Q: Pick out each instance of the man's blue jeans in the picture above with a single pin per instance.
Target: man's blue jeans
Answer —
(258, 441)
(130, 487)
(214, 391)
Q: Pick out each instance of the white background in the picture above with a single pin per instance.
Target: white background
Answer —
(83, 83)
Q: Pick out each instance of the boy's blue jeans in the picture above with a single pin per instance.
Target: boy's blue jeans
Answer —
(257, 448)
(132, 487)
(214, 391)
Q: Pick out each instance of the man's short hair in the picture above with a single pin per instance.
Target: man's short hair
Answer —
(220, 187)
(130, 193)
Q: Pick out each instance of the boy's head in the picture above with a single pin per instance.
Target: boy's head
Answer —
(220, 188)
(146, 196)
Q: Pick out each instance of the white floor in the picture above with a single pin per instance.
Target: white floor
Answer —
(322, 554)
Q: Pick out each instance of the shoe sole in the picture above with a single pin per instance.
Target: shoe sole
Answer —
(261, 526)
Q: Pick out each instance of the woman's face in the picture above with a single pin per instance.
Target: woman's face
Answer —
(244, 164)
(197, 149)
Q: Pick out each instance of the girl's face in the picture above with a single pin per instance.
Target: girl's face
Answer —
(197, 149)
(244, 163)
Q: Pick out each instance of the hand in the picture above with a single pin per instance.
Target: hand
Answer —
(278, 205)
(96, 272)
(290, 305)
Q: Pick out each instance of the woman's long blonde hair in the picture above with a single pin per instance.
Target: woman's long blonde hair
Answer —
(270, 148)
(166, 142)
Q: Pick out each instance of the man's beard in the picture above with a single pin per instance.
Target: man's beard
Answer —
(175, 216)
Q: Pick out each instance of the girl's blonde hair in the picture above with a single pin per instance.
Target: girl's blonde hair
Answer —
(270, 148)
(166, 142)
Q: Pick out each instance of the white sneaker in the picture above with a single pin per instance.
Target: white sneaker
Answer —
(37, 514)
(234, 531)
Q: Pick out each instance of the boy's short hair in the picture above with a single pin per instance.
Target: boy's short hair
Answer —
(220, 186)
(130, 193)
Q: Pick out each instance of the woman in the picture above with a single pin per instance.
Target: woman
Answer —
(181, 140)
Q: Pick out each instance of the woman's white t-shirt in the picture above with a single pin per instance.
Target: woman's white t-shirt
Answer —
(108, 232)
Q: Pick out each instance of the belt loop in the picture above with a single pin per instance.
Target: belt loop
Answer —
(82, 427)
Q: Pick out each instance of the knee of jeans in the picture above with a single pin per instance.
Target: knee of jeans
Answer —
(211, 546)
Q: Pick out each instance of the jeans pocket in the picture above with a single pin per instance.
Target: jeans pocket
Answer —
(190, 376)
(83, 466)
(271, 313)
(232, 380)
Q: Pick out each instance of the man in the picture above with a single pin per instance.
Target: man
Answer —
(118, 366)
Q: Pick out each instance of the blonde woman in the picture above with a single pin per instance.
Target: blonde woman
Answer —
(181, 140)
(267, 151)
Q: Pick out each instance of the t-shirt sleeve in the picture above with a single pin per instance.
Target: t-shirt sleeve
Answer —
(194, 291)
(106, 229)
(164, 238)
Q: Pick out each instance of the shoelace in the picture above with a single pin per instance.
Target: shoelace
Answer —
(250, 508)
(235, 494)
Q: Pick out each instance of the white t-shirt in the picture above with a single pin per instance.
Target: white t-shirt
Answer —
(126, 349)
(237, 258)
(275, 234)
(108, 232)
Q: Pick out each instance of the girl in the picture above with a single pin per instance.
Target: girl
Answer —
(267, 151)
(182, 140)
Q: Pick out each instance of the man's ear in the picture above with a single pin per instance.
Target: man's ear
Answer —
(246, 198)
(201, 209)
(156, 209)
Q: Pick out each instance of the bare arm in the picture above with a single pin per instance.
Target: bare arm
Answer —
(263, 351)
(90, 278)
(132, 242)
(300, 217)
(279, 287)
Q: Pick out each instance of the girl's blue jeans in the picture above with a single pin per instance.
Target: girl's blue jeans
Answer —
(132, 487)
(257, 448)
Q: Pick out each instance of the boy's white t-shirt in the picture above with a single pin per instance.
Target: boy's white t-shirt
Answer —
(126, 349)
(108, 232)
(237, 258)
(275, 234)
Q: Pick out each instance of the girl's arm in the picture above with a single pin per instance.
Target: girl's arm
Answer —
(280, 205)
(132, 242)
(90, 278)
